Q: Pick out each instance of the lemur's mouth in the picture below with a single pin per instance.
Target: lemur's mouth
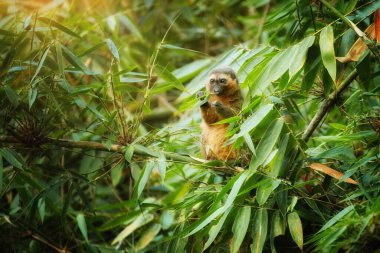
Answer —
(217, 92)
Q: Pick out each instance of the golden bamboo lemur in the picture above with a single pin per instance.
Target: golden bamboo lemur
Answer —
(225, 101)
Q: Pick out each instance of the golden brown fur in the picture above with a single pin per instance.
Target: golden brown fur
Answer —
(225, 101)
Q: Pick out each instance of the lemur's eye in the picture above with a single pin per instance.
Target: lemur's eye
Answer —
(212, 80)
(223, 80)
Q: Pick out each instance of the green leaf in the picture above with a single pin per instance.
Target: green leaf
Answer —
(266, 144)
(129, 153)
(111, 45)
(259, 230)
(250, 144)
(299, 55)
(96, 112)
(125, 20)
(10, 156)
(277, 165)
(295, 227)
(143, 179)
(277, 228)
(148, 236)
(187, 71)
(264, 190)
(13, 97)
(40, 64)
(337, 217)
(326, 44)
(138, 222)
(32, 95)
(1, 172)
(59, 26)
(224, 121)
(169, 46)
(293, 203)
(239, 229)
(282, 198)
(61, 67)
(252, 121)
(41, 208)
(169, 77)
(338, 126)
(230, 199)
(215, 229)
(161, 163)
(82, 225)
(368, 135)
(278, 224)
(354, 167)
(116, 173)
(75, 61)
(7, 33)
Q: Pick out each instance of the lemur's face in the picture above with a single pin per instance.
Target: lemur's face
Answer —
(218, 83)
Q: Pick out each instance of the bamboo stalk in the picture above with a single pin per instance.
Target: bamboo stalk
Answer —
(327, 105)
(174, 157)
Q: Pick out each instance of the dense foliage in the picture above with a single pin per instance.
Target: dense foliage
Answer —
(100, 127)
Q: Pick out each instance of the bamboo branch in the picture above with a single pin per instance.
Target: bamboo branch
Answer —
(174, 157)
(362, 35)
(327, 105)
(344, 19)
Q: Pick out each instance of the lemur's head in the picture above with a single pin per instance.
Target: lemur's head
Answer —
(222, 81)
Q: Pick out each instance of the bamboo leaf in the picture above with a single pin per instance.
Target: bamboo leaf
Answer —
(266, 144)
(59, 26)
(98, 114)
(148, 236)
(239, 229)
(32, 95)
(129, 153)
(331, 172)
(11, 158)
(1, 172)
(295, 227)
(161, 163)
(249, 142)
(277, 165)
(277, 228)
(140, 221)
(12, 96)
(41, 208)
(337, 217)
(259, 231)
(230, 199)
(143, 179)
(299, 57)
(169, 77)
(215, 229)
(81, 221)
(326, 44)
(116, 173)
(75, 61)
(111, 45)
(125, 20)
(61, 67)
(169, 46)
(264, 190)
(40, 64)
(252, 121)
